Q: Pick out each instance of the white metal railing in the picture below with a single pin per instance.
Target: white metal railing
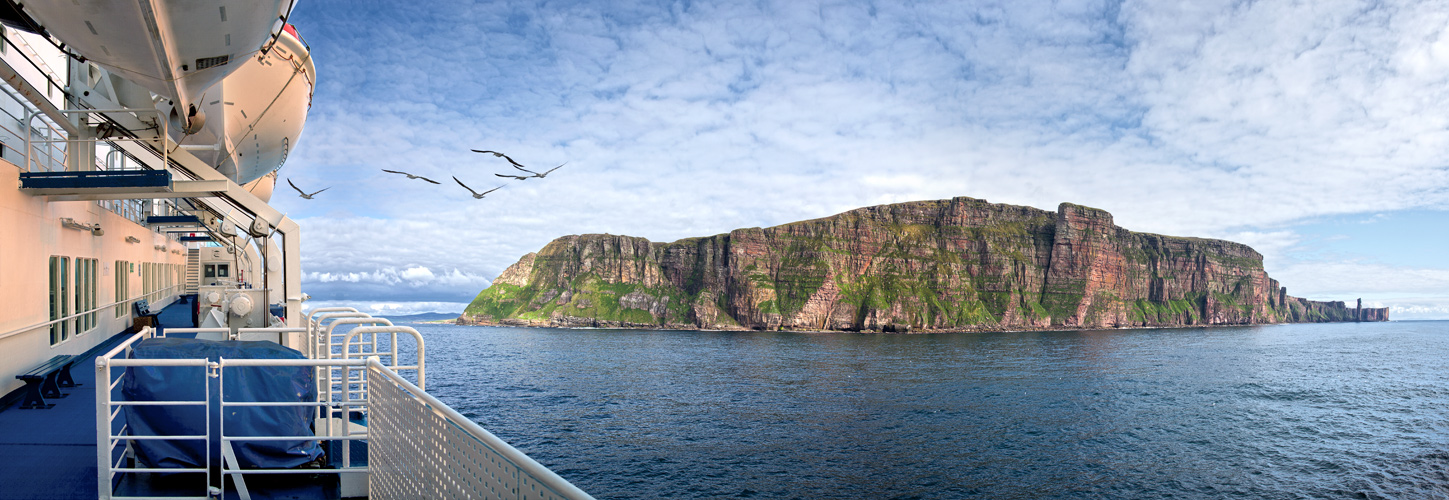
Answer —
(119, 303)
(418, 447)
(14, 128)
(109, 436)
(337, 383)
(315, 344)
(421, 448)
(220, 333)
(46, 152)
(393, 355)
(266, 333)
(321, 409)
(49, 141)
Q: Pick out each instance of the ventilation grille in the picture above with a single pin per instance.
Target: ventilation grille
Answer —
(208, 62)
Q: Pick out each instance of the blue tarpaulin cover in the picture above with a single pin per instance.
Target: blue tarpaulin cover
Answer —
(249, 384)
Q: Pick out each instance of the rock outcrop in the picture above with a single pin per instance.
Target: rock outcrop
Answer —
(949, 265)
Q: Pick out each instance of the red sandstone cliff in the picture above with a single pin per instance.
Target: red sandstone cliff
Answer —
(960, 264)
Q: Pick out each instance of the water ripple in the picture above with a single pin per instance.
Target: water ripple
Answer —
(1293, 411)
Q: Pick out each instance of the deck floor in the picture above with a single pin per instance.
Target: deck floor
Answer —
(52, 453)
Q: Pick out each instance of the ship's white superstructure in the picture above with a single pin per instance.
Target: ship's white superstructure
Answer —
(177, 50)
(139, 146)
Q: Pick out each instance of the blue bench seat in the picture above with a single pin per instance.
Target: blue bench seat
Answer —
(45, 381)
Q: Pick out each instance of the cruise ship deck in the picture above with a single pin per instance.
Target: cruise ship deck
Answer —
(51, 453)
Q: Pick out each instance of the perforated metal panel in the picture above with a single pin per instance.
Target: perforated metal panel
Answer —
(415, 452)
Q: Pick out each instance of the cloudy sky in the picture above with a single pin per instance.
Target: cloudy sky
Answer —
(1318, 132)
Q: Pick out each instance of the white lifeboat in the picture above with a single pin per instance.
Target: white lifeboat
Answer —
(263, 106)
(262, 188)
(176, 49)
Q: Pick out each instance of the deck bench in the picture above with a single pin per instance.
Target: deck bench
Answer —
(45, 381)
(141, 315)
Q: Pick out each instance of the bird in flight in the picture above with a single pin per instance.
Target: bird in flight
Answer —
(519, 177)
(504, 156)
(549, 170)
(304, 194)
(410, 176)
(476, 195)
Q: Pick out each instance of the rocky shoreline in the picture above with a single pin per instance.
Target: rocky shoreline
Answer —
(579, 324)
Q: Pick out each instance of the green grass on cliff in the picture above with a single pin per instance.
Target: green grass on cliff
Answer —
(495, 302)
(589, 297)
(1184, 311)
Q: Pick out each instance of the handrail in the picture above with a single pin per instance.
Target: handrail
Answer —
(340, 314)
(374, 330)
(145, 331)
(30, 142)
(89, 311)
(324, 342)
(523, 462)
(168, 331)
(355, 321)
(314, 325)
(327, 337)
(106, 441)
(396, 411)
(279, 331)
(329, 309)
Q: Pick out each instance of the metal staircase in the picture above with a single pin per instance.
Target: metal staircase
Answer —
(193, 270)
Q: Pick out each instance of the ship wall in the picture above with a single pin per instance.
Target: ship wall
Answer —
(30, 233)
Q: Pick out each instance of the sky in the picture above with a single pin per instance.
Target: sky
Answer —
(1317, 132)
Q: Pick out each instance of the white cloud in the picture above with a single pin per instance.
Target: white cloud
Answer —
(1211, 118)
(1337, 280)
(1409, 309)
(389, 308)
(416, 275)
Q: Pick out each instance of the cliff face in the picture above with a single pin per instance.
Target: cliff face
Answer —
(960, 264)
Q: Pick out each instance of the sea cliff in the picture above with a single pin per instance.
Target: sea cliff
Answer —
(947, 265)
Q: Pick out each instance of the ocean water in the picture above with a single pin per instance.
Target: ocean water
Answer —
(1284, 411)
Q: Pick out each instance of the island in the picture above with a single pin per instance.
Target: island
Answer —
(962, 264)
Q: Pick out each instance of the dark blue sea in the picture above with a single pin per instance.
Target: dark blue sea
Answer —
(1288, 411)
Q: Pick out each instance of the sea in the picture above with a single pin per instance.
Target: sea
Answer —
(1277, 411)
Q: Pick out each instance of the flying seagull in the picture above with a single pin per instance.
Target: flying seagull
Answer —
(476, 195)
(410, 176)
(504, 156)
(519, 177)
(304, 194)
(549, 170)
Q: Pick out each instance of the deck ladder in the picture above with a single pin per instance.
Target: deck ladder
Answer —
(193, 271)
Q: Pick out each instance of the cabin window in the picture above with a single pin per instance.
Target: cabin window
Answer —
(79, 289)
(59, 298)
(85, 294)
(92, 287)
(122, 290)
(221, 270)
(80, 293)
(210, 271)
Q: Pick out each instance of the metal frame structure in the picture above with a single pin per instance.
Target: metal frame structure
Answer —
(202, 183)
(418, 447)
